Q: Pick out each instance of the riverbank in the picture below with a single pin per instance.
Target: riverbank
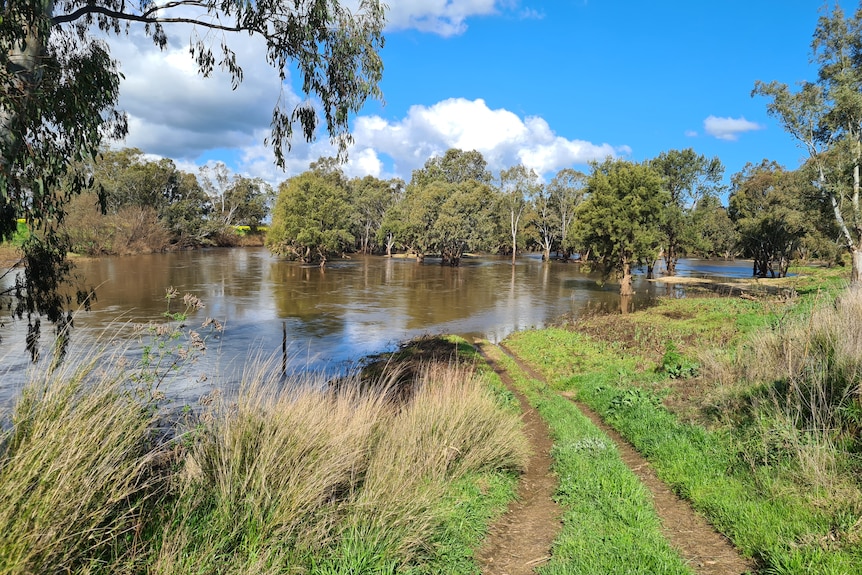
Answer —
(743, 405)
(281, 475)
(406, 474)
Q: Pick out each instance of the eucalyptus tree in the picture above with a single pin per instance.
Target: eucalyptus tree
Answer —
(716, 234)
(311, 219)
(453, 167)
(445, 182)
(621, 216)
(463, 222)
(59, 88)
(371, 198)
(687, 178)
(544, 221)
(767, 205)
(517, 185)
(567, 190)
(236, 200)
(825, 118)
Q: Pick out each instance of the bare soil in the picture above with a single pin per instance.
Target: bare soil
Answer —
(706, 551)
(521, 539)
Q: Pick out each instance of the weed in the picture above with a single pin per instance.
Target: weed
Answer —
(676, 365)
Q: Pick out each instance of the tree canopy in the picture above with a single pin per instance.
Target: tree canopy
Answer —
(620, 218)
(825, 118)
(311, 219)
(59, 88)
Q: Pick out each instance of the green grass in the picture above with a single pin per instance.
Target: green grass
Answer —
(281, 477)
(609, 524)
(784, 519)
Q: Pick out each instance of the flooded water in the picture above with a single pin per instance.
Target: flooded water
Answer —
(330, 317)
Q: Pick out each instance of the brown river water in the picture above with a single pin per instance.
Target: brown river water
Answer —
(331, 317)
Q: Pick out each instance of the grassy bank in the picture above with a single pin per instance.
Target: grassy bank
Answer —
(746, 406)
(280, 476)
(609, 524)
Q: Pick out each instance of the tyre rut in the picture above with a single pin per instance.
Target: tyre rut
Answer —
(706, 551)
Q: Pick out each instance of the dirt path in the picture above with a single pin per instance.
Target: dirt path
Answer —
(706, 551)
(521, 539)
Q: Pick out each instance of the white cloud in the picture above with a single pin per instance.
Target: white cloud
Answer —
(503, 138)
(443, 17)
(728, 128)
(690, 133)
(175, 112)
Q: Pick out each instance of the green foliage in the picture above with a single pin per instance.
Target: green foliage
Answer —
(620, 218)
(825, 117)
(676, 365)
(447, 208)
(687, 177)
(311, 219)
(767, 205)
(716, 234)
(372, 199)
(566, 191)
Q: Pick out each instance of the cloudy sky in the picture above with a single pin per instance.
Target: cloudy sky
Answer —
(551, 85)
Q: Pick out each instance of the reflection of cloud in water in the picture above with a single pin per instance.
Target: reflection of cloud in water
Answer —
(361, 306)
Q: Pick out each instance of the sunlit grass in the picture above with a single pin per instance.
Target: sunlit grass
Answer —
(281, 476)
(609, 523)
(770, 457)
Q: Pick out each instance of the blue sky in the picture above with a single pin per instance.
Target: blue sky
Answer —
(548, 84)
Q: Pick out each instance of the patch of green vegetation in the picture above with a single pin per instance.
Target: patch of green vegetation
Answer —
(676, 365)
(783, 492)
(609, 523)
(279, 477)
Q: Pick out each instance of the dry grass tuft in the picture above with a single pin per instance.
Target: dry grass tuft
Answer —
(287, 473)
(75, 470)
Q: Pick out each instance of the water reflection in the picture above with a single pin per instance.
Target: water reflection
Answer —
(352, 308)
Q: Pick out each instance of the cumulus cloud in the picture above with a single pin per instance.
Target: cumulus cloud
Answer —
(503, 138)
(728, 128)
(175, 112)
(443, 17)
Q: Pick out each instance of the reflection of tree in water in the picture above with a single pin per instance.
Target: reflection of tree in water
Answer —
(309, 294)
(440, 294)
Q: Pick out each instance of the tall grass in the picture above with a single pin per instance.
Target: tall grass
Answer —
(279, 476)
(77, 469)
(326, 479)
(810, 373)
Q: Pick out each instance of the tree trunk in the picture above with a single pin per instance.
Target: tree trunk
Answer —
(24, 60)
(856, 267)
(626, 288)
(670, 259)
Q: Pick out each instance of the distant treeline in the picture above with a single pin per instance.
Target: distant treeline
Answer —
(620, 214)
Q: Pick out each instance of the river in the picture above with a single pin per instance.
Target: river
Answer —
(331, 317)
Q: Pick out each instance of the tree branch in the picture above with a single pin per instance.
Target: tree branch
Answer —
(146, 17)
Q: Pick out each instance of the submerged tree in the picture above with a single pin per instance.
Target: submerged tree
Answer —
(311, 219)
(767, 205)
(59, 88)
(620, 218)
(566, 192)
(825, 117)
(518, 185)
(687, 178)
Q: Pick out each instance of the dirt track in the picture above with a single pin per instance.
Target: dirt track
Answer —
(521, 539)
